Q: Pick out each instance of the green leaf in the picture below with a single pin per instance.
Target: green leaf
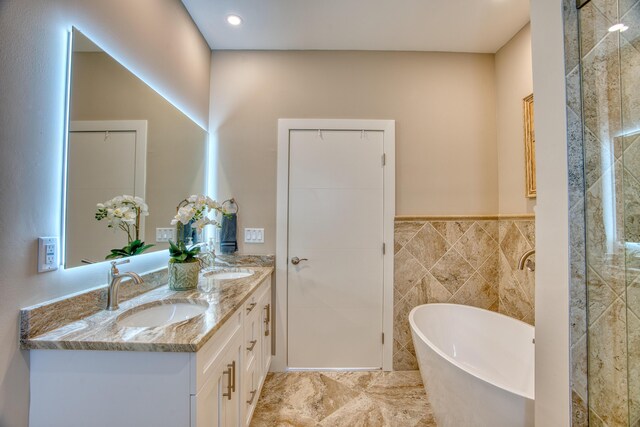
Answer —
(143, 248)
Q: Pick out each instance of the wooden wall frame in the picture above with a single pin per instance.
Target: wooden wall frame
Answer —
(529, 148)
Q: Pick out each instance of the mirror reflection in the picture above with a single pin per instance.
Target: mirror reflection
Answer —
(131, 158)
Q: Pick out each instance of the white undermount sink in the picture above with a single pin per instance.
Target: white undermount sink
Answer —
(163, 314)
(230, 274)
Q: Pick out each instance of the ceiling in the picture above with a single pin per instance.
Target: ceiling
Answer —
(407, 25)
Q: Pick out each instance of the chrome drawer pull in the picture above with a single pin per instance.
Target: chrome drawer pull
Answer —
(253, 395)
(253, 344)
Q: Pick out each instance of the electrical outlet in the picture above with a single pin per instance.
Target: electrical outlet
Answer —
(165, 234)
(254, 235)
(47, 254)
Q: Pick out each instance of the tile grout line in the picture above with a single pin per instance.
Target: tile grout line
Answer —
(445, 252)
(445, 237)
(497, 231)
(414, 234)
(582, 57)
(418, 280)
(590, 324)
(589, 267)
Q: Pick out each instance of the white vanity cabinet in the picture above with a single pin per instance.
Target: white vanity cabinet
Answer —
(218, 386)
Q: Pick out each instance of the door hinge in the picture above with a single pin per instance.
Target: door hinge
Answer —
(383, 338)
(384, 248)
(384, 159)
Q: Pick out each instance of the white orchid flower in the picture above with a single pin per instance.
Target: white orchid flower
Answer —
(123, 212)
(197, 210)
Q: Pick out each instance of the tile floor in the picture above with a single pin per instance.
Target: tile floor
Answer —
(367, 399)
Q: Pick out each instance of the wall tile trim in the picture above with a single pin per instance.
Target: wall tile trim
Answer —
(464, 217)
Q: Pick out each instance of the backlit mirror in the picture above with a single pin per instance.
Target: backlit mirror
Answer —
(124, 140)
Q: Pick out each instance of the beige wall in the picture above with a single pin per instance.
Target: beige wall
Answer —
(164, 48)
(443, 104)
(513, 83)
(102, 89)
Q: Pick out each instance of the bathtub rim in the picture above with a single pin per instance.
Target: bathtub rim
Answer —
(440, 353)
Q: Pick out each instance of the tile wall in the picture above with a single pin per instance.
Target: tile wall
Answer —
(461, 260)
(603, 111)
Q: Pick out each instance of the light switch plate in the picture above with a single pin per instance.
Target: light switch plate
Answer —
(47, 254)
(165, 234)
(254, 235)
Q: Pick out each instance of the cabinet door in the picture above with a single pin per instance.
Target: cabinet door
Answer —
(250, 391)
(265, 351)
(232, 406)
(206, 408)
(218, 403)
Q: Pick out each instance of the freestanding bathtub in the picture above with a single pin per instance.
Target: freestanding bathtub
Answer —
(477, 365)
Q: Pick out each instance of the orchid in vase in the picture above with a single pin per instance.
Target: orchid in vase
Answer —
(195, 211)
(124, 213)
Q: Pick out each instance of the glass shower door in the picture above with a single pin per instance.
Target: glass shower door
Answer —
(609, 35)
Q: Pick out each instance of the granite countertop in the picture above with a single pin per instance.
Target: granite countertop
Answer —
(100, 331)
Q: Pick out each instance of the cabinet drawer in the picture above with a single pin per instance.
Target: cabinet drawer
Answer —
(251, 389)
(252, 338)
(264, 289)
(252, 304)
(206, 358)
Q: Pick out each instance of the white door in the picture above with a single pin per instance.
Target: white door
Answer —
(103, 166)
(105, 159)
(335, 295)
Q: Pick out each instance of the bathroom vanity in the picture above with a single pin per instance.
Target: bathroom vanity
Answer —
(206, 371)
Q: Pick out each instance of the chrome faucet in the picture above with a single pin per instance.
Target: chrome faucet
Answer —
(526, 262)
(115, 277)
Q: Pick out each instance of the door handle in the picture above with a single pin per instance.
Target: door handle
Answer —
(295, 260)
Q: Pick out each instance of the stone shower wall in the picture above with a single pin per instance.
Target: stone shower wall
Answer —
(603, 112)
(471, 261)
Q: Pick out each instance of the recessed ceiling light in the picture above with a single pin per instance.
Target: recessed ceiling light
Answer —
(618, 27)
(234, 20)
